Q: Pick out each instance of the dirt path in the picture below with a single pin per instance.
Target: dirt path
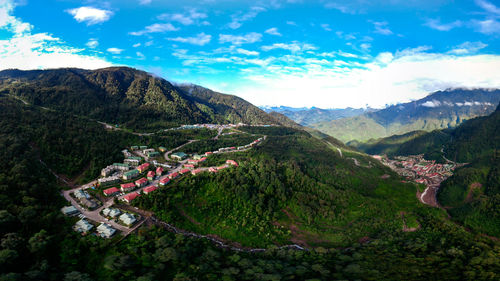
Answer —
(428, 197)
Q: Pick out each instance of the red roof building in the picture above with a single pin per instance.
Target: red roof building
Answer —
(212, 170)
(159, 171)
(208, 153)
(192, 161)
(191, 166)
(173, 175)
(131, 196)
(127, 187)
(151, 175)
(232, 162)
(202, 159)
(141, 182)
(195, 172)
(149, 189)
(164, 181)
(185, 171)
(111, 191)
(143, 167)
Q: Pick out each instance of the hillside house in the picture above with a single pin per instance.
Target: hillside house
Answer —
(141, 182)
(134, 147)
(127, 187)
(131, 174)
(159, 171)
(192, 161)
(173, 175)
(105, 230)
(153, 154)
(132, 162)
(144, 167)
(111, 212)
(212, 170)
(69, 211)
(149, 189)
(164, 181)
(146, 151)
(189, 166)
(130, 197)
(151, 175)
(127, 219)
(162, 149)
(111, 191)
(208, 153)
(196, 157)
(195, 172)
(83, 226)
(142, 147)
(179, 156)
(80, 194)
(185, 171)
(109, 180)
(232, 162)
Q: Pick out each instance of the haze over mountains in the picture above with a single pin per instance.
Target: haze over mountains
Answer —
(439, 110)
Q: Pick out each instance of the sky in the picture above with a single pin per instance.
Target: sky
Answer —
(299, 53)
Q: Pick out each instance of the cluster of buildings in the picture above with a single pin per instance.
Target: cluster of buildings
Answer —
(84, 199)
(416, 168)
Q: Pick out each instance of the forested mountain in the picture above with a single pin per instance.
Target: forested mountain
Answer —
(472, 194)
(129, 97)
(308, 116)
(356, 217)
(440, 110)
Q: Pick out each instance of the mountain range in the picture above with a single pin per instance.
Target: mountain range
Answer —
(307, 116)
(128, 97)
(439, 110)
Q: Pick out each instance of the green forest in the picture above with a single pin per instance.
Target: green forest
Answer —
(349, 217)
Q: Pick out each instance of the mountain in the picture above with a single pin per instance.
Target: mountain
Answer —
(472, 194)
(308, 116)
(128, 97)
(356, 217)
(443, 109)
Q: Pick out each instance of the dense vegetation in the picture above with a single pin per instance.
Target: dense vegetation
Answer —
(128, 97)
(37, 244)
(440, 110)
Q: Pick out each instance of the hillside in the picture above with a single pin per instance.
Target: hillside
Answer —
(440, 110)
(308, 116)
(128, 97)
(292, 188)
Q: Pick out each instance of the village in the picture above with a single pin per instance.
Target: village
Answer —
(103, 205)
(415, 168)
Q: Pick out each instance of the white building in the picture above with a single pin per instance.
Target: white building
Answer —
(69, 210)
(83, 226)
(105, 230)
(127, 219)
(80, 194)
(109, 180)
(111, 212)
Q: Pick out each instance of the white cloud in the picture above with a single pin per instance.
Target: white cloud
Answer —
(155, 28)
(136, 45)
(248, 38)
(192, 17)
(437, 25)
(201, 39)
(273, 31)
(468, 48)
(90, 15)
(92, 43)
(289, 22)
(433, 103)
(293, 47)
(381, 28)
(140, 55)
(239, 18)
(489, 7)
(326, 27)
(488, 26)
(247, 52)
(388, 78)
(25, 50)
(115, 51)
(145, 2)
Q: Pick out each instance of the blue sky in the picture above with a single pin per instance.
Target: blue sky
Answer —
(324, 53)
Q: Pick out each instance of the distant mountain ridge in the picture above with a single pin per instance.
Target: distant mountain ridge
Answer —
(440, 110)
(307, 116)
(134, 98)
